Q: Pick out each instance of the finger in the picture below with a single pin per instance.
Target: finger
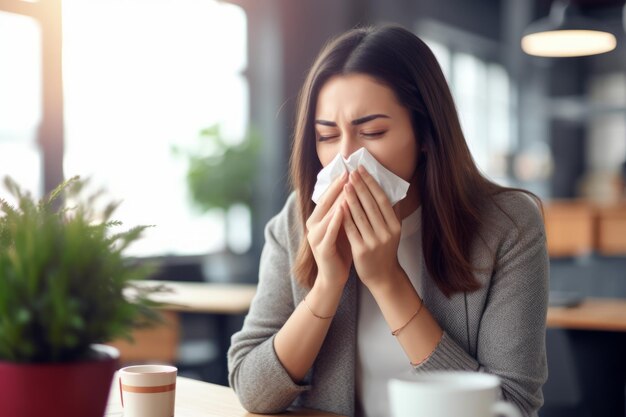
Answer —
(334, 226)
(369, 204)
(319, 230)
(328, 198)
(379, 195)
(352, 232)
(358, 215)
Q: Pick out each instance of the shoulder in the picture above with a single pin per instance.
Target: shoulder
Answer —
(509, 218)
(513, 209)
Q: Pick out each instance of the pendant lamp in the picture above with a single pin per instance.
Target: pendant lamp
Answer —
(565, 33)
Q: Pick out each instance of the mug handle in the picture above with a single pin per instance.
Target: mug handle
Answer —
(502, 408)
(119, 379)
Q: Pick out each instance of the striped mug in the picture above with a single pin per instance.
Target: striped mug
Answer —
(148, 390)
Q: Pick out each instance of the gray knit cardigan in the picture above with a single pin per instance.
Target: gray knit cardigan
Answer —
(499, 329)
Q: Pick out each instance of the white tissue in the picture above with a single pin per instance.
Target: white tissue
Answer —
(394, 186)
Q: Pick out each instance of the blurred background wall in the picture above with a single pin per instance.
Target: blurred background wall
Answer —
(120, 91)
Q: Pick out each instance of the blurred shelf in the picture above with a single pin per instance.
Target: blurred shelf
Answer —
(611, 230)
(579, 228)
(569, 227)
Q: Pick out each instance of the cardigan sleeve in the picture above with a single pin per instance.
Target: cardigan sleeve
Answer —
(255, 373)
(511, 339)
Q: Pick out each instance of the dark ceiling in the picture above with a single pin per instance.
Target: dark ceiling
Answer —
(596, 8)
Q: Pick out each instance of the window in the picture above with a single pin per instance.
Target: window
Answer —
(142, 77)
(482, 93)
(20, 102)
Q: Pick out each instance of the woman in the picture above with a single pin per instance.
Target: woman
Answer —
(457, 270)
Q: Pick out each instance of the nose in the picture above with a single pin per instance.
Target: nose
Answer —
(348, 145)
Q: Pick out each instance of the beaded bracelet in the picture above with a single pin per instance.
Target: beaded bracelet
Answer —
(395, 332)
(319, 317)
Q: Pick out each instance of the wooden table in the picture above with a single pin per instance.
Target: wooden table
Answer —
(201, 399)
(160, 344)
(203, 297)
(591, 314)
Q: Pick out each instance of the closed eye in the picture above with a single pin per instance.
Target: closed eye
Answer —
(369, 135)
(374, 134)
(322, 138)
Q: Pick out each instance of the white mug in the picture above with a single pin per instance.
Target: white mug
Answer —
(448, 394)
(148, 390)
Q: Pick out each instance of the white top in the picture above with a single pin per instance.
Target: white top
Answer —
(379, 355)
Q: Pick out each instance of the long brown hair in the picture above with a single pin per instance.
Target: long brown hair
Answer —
(451, 188)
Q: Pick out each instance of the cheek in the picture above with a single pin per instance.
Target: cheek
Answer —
(400, 159)
(325, 154)
(409, 167)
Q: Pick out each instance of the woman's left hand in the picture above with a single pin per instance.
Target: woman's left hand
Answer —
(373, 229)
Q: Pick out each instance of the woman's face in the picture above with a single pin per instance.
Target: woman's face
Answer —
(355, 111)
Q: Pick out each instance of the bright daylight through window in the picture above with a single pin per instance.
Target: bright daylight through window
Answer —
(483, 95)
(143, 77)
(20, 101)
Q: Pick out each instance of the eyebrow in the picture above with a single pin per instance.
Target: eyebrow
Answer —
(355, 122)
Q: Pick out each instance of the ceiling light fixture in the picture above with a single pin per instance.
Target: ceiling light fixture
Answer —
(565, 33)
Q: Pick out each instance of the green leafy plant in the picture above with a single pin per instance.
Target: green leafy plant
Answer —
(63, 276)
(221, 174)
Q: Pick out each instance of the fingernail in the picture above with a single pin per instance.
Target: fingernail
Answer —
(362, 169)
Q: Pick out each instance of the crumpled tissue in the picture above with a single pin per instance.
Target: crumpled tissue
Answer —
(394, 187)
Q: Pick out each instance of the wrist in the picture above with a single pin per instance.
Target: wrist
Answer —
(328, 284)
(324, 297)
(388, 286)
(399, 302)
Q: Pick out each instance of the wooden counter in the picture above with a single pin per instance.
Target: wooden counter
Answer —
(591, 314)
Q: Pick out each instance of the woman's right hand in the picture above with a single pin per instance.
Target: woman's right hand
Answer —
(327, 239)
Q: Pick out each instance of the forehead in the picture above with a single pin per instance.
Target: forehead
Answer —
(353, 96)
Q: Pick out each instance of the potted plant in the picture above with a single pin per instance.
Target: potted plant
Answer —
(62, 282)
(220, 176)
